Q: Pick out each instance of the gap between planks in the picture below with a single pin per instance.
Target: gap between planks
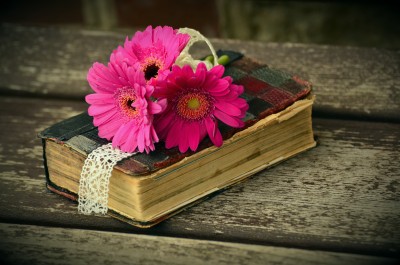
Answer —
(29, 244)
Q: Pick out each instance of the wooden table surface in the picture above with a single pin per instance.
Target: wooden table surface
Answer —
(338, 203)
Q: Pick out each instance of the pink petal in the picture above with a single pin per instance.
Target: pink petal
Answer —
(139, 77)
(130, 144)
(218, 70)
(109, 126)
(106, 134)
(166, 36)
(145, 38)
(105, 118)
(99, 109)
(225, 118)
(184, 138)
(183, 40)
(103, 72)
(157, 107)
(213, 132)
(216, 87)
(193, 134)
(119, 69)
(134, 77)
(219, 86)
(203, 131)
(228, 78)
(149, 90)
(154, 135)
(165, 88)
(209, 81)
(201, 72)
(100, 98)
(163, 123)
(162, 74)
(187, 71)
(181, 82)
(228, 108)
(147, 136)
(242, 104)
(193, 82)
(174, 134)
(163, 103)
(201, 69)
(121, 135)
(232, 95)
(141, 141)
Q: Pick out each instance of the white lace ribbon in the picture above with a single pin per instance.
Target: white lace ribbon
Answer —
(186, 58)
(95, 179)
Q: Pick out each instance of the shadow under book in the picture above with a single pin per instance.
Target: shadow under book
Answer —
(148, 188)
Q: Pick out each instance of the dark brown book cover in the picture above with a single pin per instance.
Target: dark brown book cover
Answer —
(267, 91)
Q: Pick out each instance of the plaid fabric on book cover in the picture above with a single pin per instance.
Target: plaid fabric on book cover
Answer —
(267, 90)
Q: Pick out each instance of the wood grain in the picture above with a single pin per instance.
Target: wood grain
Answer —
(26, 244)
(349, 82)
(341, 196)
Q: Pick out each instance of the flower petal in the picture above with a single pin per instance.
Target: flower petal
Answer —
(218, 70)
(100, 109)
(120, 136)
(157, 107)
(163, 123)
(228, 108)
(154, 135)
(219, 86)
(99, 98)
(213, 132)
(109, 129)
(174, 134)
(141, 140)
(184, 137)
(130, 144)
(105, 118)
(193, 134)
(229, 120)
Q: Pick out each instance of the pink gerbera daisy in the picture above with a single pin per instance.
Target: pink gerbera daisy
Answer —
(196, 100)
(153, 51)
(121, 107)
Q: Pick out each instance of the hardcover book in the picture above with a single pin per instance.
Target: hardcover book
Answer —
(147, 188)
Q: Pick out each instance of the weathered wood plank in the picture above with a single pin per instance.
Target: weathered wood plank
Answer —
(26, 244)
(341, 196)
(349, 81)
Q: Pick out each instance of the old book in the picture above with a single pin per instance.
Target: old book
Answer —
(147, 188)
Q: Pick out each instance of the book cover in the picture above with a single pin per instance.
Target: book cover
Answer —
(267, 91)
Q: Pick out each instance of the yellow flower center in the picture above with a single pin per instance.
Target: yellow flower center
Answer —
(193, 106)
(193, 103)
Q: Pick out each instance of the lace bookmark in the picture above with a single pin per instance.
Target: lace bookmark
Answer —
(186, 58)
(95, 179)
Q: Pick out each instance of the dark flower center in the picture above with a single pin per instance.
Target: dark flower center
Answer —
(129, 104)
(150, 71)
(125, 97)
